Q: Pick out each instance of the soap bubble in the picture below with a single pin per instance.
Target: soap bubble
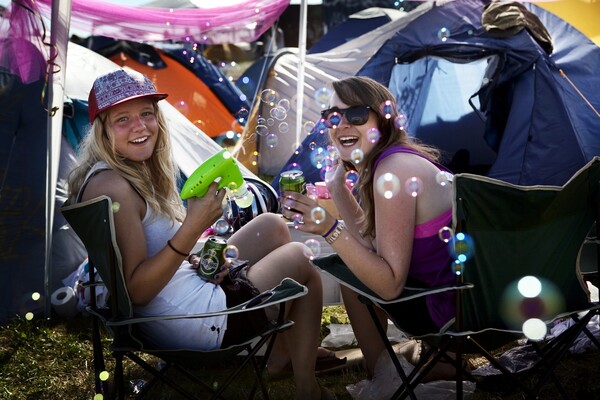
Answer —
(322, 97)
(373, 135)
(297, 147)
(443, 178)
(242, 115)
(313, 249)
(231, 253)
(182, 107)
(334, 119)
(278, 112)
(530, 297)
(443, 34)
(357, 156)
(535, 329)
(317, 157)
(400, 121)
(388, 185)
(284, 127)
(413, 186)
(461, 247)
(284, 104)
(387, 109)
(445, 234)
(309, 126)
(297, 220)
(262, 130)
(318, 215)
(269, 96)
(351, 178)
(272, 140)
(457, 267)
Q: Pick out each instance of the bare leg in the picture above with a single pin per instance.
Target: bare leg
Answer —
(362, 324)
(266, 243)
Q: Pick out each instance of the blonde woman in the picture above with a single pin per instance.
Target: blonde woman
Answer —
(127, 156)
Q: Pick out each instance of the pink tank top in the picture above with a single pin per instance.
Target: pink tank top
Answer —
(431, 262)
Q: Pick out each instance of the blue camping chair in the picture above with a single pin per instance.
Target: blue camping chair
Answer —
(516, 231)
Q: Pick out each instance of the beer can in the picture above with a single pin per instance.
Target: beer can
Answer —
(211, 257)
(293, 181)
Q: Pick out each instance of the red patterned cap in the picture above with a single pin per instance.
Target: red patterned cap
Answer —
(118, 86)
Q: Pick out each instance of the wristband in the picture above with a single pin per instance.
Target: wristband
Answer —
(332, 237)
(335, 224)
(181, 253)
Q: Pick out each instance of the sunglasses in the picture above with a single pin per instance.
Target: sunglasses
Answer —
(356, 115)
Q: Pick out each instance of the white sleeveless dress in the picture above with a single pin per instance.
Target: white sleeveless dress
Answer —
(185, 293)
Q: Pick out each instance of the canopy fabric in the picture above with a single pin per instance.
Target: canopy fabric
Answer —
(244, 21)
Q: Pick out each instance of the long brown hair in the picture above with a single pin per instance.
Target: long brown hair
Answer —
(360, 90)
(154, 179)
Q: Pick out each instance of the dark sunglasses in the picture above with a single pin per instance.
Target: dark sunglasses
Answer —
(356, 115)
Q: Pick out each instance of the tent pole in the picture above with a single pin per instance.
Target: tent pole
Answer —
(301, 58)
(57, 63)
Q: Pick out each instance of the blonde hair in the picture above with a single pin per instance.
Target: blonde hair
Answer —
(358, 91)
(154, 179)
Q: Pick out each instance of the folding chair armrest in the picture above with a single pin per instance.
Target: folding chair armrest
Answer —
(287, 290)
(333, 266)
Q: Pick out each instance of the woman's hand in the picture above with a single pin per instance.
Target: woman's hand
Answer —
(335, 178)
(194, 260)
(204, 211)
(306, 213)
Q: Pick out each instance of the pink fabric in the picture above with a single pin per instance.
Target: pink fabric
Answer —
(432, 227)
(242, 22)
(21, 42)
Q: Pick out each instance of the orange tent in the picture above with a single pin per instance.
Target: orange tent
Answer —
(192, 97)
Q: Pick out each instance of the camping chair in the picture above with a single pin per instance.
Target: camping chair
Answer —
(516, 231)
(93, 222)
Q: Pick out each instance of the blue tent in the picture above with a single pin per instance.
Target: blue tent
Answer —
(497, 104)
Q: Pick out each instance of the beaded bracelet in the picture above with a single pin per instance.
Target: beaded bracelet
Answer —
(335, 224)
(332, 237)
(181, 253)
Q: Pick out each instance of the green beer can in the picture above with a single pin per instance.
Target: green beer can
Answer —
(211, 257)
(293, 181)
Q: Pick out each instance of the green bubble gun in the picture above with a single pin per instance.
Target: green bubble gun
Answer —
(223, 167)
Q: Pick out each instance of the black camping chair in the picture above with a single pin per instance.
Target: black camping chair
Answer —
(516, 231)
(93, 222)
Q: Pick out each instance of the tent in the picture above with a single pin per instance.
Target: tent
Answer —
(197, 88)
(534, 116)
(22, 203)
(30, 132)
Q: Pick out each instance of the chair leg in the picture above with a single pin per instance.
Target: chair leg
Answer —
(101, 387)
(388, 346)
(119, 391)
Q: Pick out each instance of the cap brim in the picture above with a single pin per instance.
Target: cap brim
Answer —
(154, 96)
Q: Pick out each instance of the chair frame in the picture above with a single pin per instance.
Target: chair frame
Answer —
(120, 325)
(460, 341)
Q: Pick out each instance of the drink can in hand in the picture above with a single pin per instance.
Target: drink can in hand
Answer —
(211, 257)
(292, 181)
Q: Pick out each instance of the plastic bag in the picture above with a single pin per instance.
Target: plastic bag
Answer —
(386, 381)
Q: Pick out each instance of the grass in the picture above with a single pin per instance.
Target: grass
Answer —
(52, 359)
